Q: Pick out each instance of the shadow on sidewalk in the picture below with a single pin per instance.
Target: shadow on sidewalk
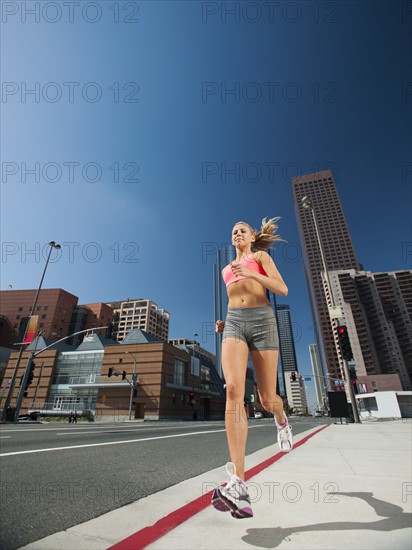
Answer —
(394, 518)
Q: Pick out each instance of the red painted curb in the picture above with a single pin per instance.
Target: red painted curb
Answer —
(147, 535)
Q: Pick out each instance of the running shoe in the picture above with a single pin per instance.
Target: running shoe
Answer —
(285, 438)
(233, 496)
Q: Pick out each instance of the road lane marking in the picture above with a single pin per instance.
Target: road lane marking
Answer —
(108, 430)
(5, 436)
(15, 453)
(117, 427)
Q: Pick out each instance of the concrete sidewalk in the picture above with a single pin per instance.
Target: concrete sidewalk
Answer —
(346, 487)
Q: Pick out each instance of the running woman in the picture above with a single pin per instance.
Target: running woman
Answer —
(250, 326)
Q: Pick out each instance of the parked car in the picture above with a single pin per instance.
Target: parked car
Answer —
(29, 417)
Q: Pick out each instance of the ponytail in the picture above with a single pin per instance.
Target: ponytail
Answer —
(267, 234)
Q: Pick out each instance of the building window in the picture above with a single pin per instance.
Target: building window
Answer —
(21, 308)
(46, 308)
(17, 316)
(44, 317)
(179, 375)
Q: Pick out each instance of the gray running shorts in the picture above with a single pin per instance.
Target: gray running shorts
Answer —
(254, 325)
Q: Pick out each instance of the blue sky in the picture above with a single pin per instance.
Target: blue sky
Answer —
(132, 125)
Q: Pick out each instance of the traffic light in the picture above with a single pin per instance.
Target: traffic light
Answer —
(31, 376)
(344, 343)
(109, 374)
(293, 376)
(124, 375)
(352, 373)
(353, 377)
(31, 373)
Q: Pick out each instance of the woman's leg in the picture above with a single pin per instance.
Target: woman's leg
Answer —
(234, 364)
(265, 364)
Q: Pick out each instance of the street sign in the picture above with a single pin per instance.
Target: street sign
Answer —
(134, 377)
(335, 312)
(103, 399)
(307, 379)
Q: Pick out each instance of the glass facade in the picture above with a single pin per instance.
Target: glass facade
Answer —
(179, 375)
(75, 368)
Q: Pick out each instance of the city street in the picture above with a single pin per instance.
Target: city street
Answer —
(54, 476)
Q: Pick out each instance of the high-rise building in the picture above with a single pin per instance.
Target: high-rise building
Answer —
(338, 249)
(224, 256)
(287, 352)
(321, 386)
(139, 313)
(377, 309)
(296, 393)
(287, 342)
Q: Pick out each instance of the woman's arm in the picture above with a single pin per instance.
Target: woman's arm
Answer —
(273, 281)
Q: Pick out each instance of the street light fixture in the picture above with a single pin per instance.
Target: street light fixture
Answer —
(132, 385)
(308, 205)
(52, 245)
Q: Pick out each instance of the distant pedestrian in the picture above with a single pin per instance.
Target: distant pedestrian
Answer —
(70, 418)
(250, 326)
(75, 417)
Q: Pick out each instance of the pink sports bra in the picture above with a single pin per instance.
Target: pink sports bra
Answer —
(249, 261)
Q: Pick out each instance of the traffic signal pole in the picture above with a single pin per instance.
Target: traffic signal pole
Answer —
(351, 392)
(23, 386)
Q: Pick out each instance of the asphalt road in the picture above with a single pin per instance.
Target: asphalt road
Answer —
(65, 474)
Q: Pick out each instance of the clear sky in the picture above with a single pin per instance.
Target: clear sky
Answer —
(135, 134)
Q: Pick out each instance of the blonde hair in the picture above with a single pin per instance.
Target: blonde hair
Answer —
(267, 234)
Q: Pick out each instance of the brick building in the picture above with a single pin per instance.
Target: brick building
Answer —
(76, 380)
(54, 309)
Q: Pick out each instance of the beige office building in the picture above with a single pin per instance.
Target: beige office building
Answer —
(296, 394)
(142, 314)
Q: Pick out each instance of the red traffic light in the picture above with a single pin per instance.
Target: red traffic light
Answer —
(344, 343)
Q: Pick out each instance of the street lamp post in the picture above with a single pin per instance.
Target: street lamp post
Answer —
(52, 245)
(132, 385)
(307, 204)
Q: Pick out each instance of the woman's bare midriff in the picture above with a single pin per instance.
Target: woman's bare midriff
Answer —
(246, 293)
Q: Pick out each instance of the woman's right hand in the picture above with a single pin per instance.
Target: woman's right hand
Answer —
(219, 326)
